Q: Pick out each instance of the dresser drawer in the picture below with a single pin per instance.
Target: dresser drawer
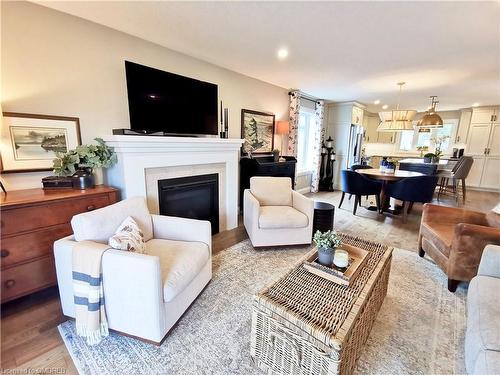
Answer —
(52, 213)
(23, 247)
(27, 278)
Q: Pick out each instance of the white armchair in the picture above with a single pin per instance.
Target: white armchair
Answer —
(147, 293)
(275, 215)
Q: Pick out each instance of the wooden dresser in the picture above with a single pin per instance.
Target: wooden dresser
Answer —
(31, 220)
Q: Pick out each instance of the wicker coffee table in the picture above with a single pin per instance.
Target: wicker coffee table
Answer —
(304, 324)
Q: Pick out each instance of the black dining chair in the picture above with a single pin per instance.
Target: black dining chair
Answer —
(427, 169)
(355, 167)
(358, 185)
(412, 189)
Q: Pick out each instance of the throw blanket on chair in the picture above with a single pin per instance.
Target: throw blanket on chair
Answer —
(90, 315)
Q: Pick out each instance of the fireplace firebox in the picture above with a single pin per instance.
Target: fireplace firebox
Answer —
(194, 197)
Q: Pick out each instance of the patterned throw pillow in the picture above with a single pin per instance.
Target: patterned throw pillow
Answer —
(128, 237)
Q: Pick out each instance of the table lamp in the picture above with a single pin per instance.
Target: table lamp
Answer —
(282, 128)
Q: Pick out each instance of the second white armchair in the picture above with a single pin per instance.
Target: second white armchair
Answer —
(276, 215)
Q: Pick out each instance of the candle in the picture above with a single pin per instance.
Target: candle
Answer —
(341, 258)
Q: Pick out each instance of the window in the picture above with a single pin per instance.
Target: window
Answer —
(305, 138)
(410, 140)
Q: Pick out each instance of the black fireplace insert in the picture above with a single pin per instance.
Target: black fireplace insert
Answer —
(194, 197)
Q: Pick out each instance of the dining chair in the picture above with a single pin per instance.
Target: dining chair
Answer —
(412, 189)
(355, 167)
(459, 173)
(358, 185)
(426, 168)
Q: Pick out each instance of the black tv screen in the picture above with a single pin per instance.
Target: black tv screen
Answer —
(165, 102)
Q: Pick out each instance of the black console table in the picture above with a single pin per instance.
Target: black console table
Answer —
(264, 166)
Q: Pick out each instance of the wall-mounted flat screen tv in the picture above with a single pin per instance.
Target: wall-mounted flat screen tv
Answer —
(165, 102)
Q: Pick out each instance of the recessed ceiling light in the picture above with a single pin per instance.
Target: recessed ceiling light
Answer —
(385, 106)
(282, 53)
(376, 102)
(475, 105)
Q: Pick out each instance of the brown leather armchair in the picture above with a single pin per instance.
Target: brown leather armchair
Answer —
(455, 238)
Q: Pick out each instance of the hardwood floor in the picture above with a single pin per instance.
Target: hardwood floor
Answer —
(29, 335)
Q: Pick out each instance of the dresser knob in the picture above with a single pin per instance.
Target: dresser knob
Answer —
(91, 207)
(4, 253)
(10, 283)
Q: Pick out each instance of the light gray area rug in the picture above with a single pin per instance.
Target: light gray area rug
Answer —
(419, 330)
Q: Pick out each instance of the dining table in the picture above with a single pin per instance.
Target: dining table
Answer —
(387, 178)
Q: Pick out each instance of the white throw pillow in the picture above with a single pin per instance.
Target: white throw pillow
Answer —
(128, 237)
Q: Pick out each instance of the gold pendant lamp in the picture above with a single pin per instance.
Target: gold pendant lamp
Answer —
(431, 119)
(397, 120)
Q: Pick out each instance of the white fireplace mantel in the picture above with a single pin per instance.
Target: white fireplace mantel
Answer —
(136, 154)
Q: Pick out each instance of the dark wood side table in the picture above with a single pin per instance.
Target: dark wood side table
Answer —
(323, 216)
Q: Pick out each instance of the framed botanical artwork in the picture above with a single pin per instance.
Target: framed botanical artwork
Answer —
(29, 142)
(257, 129)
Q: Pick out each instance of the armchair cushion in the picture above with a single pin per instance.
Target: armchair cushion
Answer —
(99, 225)
(180, 263)
(275, 217)
(272, 191)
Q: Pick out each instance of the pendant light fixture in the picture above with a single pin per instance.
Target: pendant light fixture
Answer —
(431, 119)
(397, 120)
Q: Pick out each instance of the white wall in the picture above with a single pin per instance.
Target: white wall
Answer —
(57, 64)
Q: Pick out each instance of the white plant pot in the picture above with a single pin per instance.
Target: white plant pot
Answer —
(99, 176)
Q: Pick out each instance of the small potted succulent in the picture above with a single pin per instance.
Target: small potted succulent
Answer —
(428, 157)
(327, 242)
(276, 155)
(82, 162)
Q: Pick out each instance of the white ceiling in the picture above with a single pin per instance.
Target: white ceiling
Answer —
(339, 51)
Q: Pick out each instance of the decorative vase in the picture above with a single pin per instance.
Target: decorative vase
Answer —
(325, 256)
(83, 179)
(427, 159)
(435, 159)
(99, 176)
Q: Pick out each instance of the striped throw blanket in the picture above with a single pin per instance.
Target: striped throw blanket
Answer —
(90, 314)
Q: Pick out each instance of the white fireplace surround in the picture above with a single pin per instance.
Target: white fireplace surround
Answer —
(143, 160)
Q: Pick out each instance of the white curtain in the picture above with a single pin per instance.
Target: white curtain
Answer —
(319, 137)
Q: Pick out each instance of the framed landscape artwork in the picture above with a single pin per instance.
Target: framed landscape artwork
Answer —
(30, 142)
(257, 129)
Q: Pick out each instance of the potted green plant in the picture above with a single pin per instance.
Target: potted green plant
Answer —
(276, 155)
(327, 242)
(438, 141)
(428, 157)
(81, 162)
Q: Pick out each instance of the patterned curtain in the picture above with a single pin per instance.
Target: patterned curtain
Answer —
(293, 129)
(293, 123)
(319, 137)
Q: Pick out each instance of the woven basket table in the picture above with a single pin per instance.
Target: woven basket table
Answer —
(304, 324)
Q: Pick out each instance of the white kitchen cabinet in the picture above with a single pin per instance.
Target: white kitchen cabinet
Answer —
(463, 126)
(370, 123)
(494, 144)
(491, 173)
(483, 115)
(385, 137)
(474, 177)
(483, 144)
(357, 116)
(477, 142)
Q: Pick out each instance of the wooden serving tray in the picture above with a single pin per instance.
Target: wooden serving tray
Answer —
(357, 258)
